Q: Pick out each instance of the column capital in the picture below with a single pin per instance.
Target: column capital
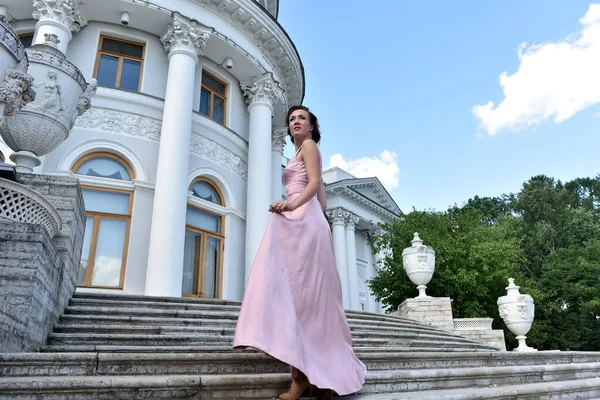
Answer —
(351, 220)
(185, 36)
(337, 216)
(262, 90)
(62, 12)
(278, 139)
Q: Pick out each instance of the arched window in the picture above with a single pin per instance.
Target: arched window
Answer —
(204, 244)
(206, 190)
(106, 237)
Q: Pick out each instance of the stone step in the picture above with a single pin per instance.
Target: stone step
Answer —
(150, 312)
(86, 348)
(355, 325)
(560, 390)
(154, 299)
(228, 362)
(221, 315)
(560, 379)
(170, 302)
(129, 303)
(216, 331)
(188, 339)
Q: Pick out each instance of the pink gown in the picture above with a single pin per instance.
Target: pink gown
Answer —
(292, 307)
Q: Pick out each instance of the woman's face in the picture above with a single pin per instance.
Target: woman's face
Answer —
(300, 126)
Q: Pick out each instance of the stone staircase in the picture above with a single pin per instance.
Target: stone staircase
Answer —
(135, 347)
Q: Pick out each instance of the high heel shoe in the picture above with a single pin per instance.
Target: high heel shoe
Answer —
(296, 390)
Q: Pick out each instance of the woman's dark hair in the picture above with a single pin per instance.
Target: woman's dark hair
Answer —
(316, 133)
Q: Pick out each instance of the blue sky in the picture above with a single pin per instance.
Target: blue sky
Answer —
(396, 85)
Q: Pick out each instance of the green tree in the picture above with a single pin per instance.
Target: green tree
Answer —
(569, 302)
(473, 259)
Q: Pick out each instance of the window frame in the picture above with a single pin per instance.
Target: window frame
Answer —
(200, 262)
(212, 94)
(121, 57)
(105, 154)
(98, 216)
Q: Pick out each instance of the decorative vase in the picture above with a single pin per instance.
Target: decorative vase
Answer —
(62, 94)
(15, 86)
(419, 263)
(517, 310)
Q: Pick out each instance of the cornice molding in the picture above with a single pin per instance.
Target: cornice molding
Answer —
(266, 34)
(363, 202)
(380, 195)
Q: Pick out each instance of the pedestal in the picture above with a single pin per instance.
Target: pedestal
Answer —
(434, 311)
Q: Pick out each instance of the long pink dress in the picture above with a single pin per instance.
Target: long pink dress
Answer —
(292, 307)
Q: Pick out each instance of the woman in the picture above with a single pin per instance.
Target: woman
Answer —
(292, 307)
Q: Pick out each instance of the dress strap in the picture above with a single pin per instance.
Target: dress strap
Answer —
(298, 151)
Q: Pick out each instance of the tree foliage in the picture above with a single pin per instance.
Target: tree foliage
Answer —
(547, 236)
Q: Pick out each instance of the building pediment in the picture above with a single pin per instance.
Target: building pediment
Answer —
(368, 193)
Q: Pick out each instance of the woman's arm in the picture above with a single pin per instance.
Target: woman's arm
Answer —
(322, 197)
(311, 158)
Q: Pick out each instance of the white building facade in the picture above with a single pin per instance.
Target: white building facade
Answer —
(180, 154)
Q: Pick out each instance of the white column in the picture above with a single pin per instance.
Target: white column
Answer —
(338, 222)
(184, 42)
(260, 94)
(370, 274)
(378, 259)
(58, 18)
(278, 143)
(351, 224)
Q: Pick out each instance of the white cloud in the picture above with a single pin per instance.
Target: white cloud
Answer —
(553, 81)
(385, 167)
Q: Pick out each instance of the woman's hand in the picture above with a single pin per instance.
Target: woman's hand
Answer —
(281, 206)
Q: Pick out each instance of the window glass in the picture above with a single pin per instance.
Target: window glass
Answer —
(130, 74)
(205, 102)
(211, 266)
(105, 167)
(122, 48)
(108, 67)
(218, 110)
(26, 40)
(109, 252)
(85, 251)
(213, 84)
(191, 253)
(203, 220)
(205, 191)
(108, 202)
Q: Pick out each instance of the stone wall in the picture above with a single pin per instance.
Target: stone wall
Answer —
(494, 338)
(38, 275)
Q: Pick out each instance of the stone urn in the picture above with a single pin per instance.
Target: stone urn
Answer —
(15, 86)
(62, 94)
(517, 311)
(419, 263)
